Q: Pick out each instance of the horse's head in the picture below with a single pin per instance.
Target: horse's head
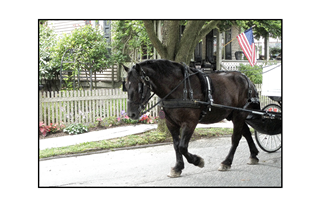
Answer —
(138, 87)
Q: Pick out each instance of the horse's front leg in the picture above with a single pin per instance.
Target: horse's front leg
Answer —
(175, 132)
(187, 131)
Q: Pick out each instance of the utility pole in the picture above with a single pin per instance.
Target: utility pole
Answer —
(266, 47)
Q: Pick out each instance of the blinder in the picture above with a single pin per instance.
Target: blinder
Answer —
(144, 89)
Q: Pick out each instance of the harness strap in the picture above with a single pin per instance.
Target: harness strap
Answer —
(179, 103)
(185, 90)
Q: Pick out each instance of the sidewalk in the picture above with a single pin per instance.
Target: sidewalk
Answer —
(112, 133)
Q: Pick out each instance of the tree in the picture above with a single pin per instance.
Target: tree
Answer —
(172, 47)
(47, 40)
(129, 39)
(90, 52)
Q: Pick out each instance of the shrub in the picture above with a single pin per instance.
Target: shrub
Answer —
(75, 129)
(53, 128)
(43, 129)
(254, 73)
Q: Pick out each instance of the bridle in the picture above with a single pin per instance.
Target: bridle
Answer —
(144, 83)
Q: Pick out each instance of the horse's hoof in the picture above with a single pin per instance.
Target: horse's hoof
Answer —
(201, 163)
(253, 161)
(224, 167)
(174, 174)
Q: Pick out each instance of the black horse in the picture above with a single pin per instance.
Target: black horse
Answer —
(165, 79)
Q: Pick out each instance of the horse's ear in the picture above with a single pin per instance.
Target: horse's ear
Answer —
(125, 68)
(138, 68)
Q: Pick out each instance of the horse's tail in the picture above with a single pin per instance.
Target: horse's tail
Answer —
(253, 95)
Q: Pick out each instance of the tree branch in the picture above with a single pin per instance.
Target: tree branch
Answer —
(204, 31)
(154, 39)
(207, 28)
(187, 41)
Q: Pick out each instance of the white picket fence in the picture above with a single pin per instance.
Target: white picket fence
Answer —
(86, 106)
(83, 106)
(235, 64)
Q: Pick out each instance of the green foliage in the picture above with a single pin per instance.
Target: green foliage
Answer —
(262, 27)
(225, 25)
(129, 37)
(47, 41)
(76, 128)
(275, 50)
(89, 51)
(254, 73)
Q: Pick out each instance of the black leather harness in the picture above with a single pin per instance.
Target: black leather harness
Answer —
(190, 102)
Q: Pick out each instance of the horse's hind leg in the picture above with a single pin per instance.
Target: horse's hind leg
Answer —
(253, 149)
(236, 136)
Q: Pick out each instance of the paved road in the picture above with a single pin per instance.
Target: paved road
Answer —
(150, 166)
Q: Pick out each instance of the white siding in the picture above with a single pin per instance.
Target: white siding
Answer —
(61, 26)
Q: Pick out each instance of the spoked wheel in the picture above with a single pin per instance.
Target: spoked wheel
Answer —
(269, 143)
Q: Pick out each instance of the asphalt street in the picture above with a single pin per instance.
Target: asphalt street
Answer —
(149, 167)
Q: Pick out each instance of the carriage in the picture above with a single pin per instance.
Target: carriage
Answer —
(268, 129)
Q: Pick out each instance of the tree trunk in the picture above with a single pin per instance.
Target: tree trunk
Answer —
(162, 127)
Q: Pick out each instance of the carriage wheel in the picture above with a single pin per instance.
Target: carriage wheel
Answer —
(269, 143)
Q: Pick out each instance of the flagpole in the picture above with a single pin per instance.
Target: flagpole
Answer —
(230, 41)
(236, 37)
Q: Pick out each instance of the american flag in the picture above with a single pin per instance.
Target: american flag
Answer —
(246, 42)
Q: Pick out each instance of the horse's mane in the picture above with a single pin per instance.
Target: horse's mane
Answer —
(163, 67)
